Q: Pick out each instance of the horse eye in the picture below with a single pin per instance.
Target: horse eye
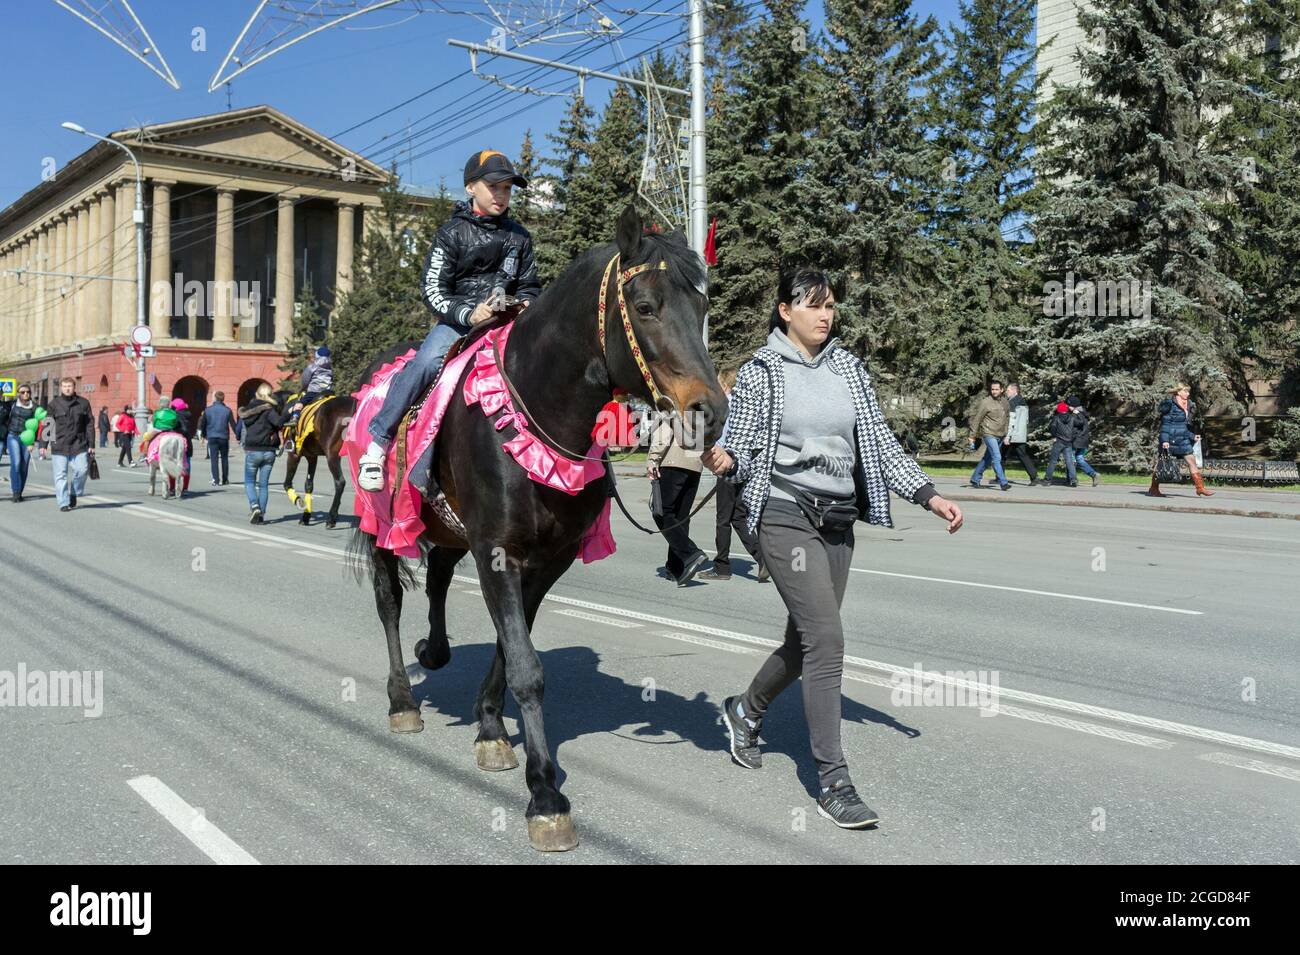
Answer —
(643, 308)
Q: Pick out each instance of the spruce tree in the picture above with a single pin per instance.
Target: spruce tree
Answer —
(1132, 186)
(607, 183)
(556, 242)
(384, 306)
(1258, 220)
(758, 130)
(305, 336)
(982, 107)
(869, 173)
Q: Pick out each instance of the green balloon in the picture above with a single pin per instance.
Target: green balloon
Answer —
(28, 438)
(31, 425)
(40, 414)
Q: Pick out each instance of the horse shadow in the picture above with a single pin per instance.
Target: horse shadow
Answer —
(583, 700)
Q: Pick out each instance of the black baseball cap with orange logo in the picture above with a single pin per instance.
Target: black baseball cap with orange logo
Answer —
(492, 166)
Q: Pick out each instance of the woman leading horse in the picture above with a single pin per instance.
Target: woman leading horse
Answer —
(651, 290)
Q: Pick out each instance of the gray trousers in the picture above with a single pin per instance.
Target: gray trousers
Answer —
(810, 568)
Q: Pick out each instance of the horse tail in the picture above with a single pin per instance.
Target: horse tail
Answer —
(363, 559)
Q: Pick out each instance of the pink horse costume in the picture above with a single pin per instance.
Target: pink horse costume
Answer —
(484, 387)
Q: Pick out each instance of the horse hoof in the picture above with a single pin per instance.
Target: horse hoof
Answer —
(552, 833)
(407, 721)
(435, 658)
(329, 525)
(495, 756)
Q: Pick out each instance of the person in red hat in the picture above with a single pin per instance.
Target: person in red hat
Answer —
(479, 257)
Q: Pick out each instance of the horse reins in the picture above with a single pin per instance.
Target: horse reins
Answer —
(623, 277)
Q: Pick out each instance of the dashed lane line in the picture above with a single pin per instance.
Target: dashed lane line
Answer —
(1254, 765)
(1041, 701)
(190, 822)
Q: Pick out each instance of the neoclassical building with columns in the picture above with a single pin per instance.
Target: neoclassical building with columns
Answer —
(243, 210)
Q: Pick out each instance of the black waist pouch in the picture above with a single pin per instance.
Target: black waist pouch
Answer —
(823, 513)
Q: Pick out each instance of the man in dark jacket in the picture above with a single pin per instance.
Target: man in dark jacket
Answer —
(1017, 439)
(1062, 431)
(216, 424)
(479, 257)
(73, 444)
(1079, 443)
(103, 426)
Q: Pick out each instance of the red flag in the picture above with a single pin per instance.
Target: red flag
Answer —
(710, 244)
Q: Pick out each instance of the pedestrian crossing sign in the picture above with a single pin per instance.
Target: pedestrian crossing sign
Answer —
(8, 387)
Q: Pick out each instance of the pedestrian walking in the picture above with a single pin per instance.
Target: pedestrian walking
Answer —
(1082, 429)
(1179, 435)
(673, 463)
(262, 420)
(730, 514)
(814, 453)
(124, 425)
(5, 404)
(217, 424)
(1017, 439)
(73, 443)
(1062, 431)
(988, 426)
(105, 427)
(19, 453)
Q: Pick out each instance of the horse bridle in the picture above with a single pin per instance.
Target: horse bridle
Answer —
(624, 276)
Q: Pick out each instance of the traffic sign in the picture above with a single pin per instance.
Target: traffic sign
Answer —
(142, 335)
(8, 387)
(147, 351)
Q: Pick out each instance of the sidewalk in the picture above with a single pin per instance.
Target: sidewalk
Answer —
(1180, 498)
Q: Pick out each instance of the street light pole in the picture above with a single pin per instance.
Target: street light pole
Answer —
(141, 409)
(699, 220)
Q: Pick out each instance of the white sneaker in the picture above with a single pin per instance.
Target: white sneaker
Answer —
(370, 473)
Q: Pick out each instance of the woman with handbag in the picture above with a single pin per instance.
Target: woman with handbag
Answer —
(808, 441)
(1177, 438)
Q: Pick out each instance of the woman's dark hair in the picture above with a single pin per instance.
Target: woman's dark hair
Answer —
(804, 284)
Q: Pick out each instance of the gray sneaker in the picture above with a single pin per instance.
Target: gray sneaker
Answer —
(842, 805)
(743, 735)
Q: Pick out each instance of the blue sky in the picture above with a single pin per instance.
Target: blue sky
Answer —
(55, 68)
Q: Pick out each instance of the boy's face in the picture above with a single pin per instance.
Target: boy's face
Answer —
(490, 198)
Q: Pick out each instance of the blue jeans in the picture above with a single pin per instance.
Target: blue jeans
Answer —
(413, 380)
(1082, 464)
(257, 478)
(992, 455)
(19, 457)
(80, 464)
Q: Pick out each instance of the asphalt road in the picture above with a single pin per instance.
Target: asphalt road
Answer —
(1148, 707)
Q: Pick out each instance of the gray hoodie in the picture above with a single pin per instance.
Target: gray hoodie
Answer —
(815, 451)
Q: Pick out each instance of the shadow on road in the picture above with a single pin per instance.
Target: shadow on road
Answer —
(582, 700)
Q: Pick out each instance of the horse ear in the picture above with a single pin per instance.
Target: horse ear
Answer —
(628, 233)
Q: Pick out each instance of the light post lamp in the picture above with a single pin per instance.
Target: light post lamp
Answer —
(141, 409)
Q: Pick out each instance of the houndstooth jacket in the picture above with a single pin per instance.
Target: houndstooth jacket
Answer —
(754, 428)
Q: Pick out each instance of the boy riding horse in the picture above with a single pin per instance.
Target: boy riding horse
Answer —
(478, 258)
(317, 382)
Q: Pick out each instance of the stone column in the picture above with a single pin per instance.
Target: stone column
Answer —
(284, 268)
(60, 286)
(223, 325)
(92, 289)
(107, 246)
(81, 298)
(160, 258)
(124, 293)
(43, 299)
(343, 251)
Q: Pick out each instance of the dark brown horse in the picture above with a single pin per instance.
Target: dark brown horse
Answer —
(325, 439)
(523, 535)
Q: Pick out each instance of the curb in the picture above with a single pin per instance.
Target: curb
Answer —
(1125, 505)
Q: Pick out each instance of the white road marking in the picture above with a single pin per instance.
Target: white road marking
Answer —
(1035, 699)
(1020, 696)
(1026, 590)
(308, 553)
(703, 641)
(190, 822)
(233, 537)
(597, 618)
(1254, 765)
